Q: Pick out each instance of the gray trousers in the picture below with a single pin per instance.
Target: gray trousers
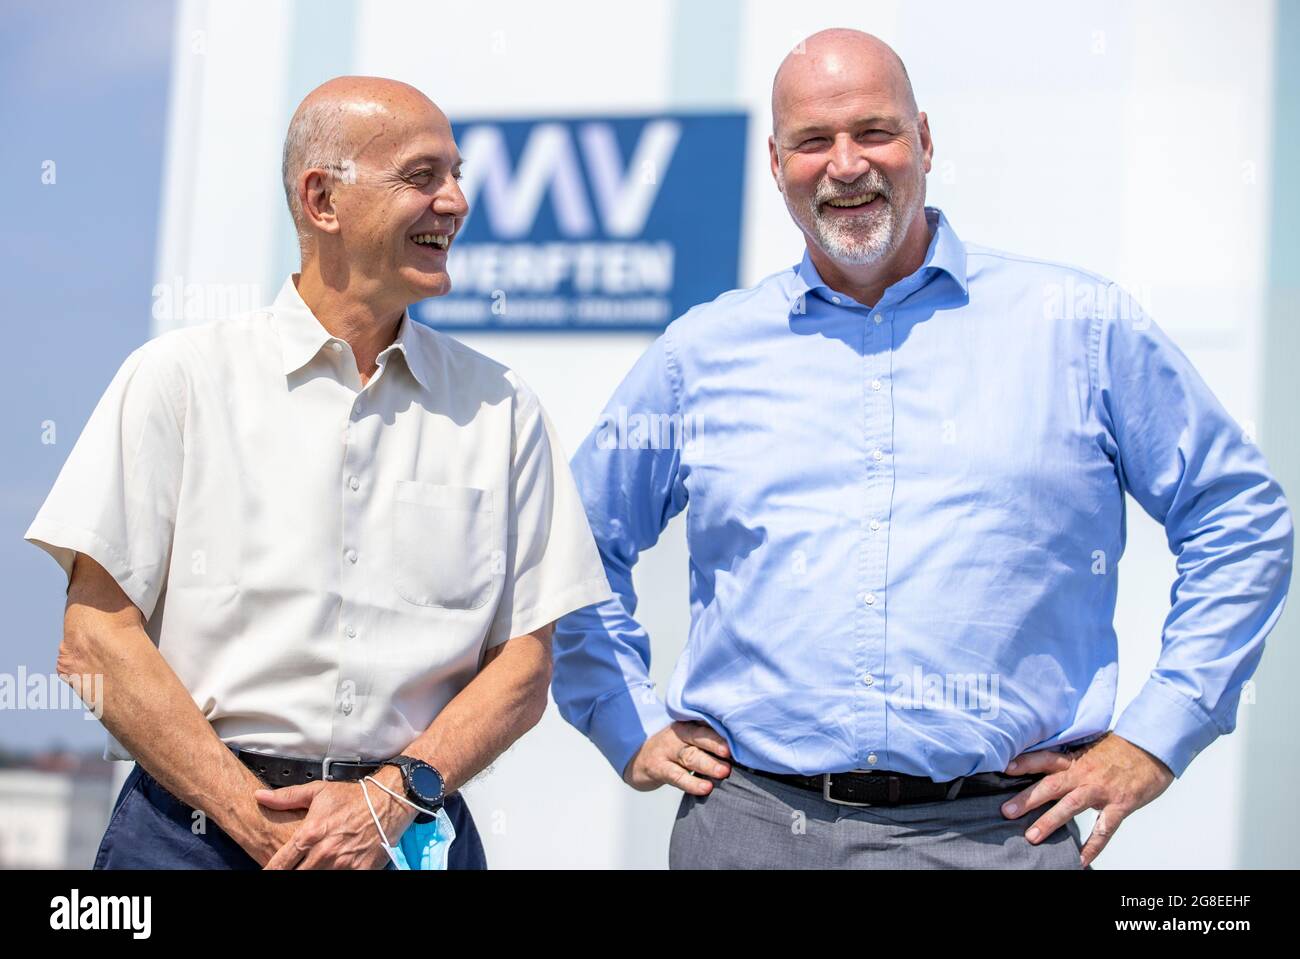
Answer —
(752, 822)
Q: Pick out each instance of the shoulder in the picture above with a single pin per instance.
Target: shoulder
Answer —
(734, 312)
(771, 294)
(182, 350)
(1082, 300)
(1052, 280)
(173, 362)
(469, 373)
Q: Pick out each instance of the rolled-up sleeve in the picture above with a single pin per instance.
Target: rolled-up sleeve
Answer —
(631, 487)
(1195, 470)
(115, 499)
(550, 563)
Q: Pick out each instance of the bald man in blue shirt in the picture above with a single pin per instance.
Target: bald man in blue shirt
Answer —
(905, 462)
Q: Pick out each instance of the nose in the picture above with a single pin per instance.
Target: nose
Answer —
(848, 161)
(450, 201)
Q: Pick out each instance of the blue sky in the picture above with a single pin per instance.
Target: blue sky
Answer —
(85, 85)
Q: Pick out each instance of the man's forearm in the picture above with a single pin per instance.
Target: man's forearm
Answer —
(148, 710)
(505, 700)
(501, 703)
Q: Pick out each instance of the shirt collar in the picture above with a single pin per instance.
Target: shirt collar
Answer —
(410, 343)
(302, 336)
(946, 254)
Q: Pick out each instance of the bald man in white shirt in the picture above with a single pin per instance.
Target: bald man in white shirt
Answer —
(319, 542)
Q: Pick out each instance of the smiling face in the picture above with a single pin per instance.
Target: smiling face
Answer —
(849, 151)
(400, 216)
(370, 172)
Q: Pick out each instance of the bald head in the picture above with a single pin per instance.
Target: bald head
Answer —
(336, 121)
(849, 152)
(836, 63)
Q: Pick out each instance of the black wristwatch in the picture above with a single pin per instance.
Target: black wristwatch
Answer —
(424, 784)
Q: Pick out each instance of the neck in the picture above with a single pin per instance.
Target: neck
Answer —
(867, 282)
(367, 322)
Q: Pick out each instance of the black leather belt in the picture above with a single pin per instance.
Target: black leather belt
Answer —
(884, 788)
(278, 771)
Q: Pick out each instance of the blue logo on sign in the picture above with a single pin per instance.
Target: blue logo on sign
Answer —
(597, 224)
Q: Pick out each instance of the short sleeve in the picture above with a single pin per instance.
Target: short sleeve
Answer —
(551, 565)
(115, 498)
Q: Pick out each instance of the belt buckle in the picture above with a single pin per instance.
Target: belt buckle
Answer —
(826, 790)
(330, 760)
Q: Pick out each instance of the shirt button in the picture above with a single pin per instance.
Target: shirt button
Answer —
(875, 384)
(875, 525)
(351, 555)
(878, 319)
(877, 455)
(336, 346)
(351, 631)
(869, 599)
(835, 300)
(354, 483)
(868, 679)
(871, 759)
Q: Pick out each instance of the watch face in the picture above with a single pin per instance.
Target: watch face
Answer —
(426, 781)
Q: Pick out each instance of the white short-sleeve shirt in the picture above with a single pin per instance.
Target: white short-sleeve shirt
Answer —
(323, 564)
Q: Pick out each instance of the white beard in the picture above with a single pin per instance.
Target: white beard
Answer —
(856, 241)
(847, 242)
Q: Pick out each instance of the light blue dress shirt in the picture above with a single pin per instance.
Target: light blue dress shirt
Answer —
(905, 522)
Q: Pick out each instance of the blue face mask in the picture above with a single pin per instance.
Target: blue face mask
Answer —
(423, 845)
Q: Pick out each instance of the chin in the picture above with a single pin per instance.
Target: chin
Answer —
(426, 285)
(854, 257)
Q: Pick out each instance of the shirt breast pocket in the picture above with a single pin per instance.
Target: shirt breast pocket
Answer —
(445, 545)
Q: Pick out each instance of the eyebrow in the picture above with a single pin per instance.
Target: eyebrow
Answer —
(429, 158)
(804, 132)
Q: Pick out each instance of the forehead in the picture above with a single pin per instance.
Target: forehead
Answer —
(397, 136)
(838, 112)
(837, 89)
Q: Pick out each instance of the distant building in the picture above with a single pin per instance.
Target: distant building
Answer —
(55, 809)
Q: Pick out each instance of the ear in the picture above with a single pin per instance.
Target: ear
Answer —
(775, 162)
(927, 143)
(316, 196)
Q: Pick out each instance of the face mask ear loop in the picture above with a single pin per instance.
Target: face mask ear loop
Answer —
(373, 815)
(366, 779)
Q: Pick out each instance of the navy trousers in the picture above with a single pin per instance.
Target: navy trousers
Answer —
(152, 829)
